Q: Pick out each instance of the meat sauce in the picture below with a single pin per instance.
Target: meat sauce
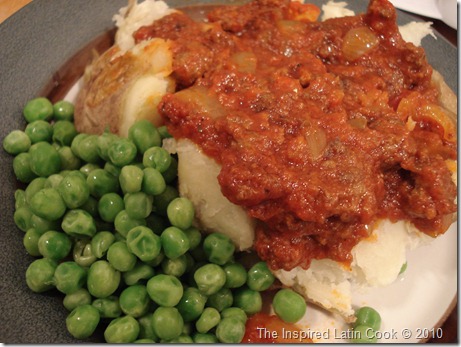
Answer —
(321, 128)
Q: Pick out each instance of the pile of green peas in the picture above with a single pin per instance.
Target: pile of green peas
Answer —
(109, 230)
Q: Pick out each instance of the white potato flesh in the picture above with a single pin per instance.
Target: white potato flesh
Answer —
(198, 181)
(141, 101)
(135, 15)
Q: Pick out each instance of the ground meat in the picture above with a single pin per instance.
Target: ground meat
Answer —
(313, 142)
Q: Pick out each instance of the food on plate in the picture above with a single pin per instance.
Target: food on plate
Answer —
(329, 147)
(117, 241)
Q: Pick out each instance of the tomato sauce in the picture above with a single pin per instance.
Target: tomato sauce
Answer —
(311, 123)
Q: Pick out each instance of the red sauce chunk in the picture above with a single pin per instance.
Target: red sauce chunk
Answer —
(264, 328)
(321, 128)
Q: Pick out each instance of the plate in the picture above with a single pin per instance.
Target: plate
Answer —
(35, 43)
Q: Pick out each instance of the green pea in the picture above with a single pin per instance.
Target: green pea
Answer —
(21, 168)
(195, 237)
(144, 134)
(86, 148)
(63, 110)
(39, 130)
(143, 243)
(39, 275)
(112, 169)
(122, 152)
(78, 298)
(236, 275)
(141, 271)
(34, 186)
(122, 330)
(205, 338)
(16, 142)
(210, 278)
(157, 158)
(75, 145)
(191, 304)
(403, 268)
(183, 338)
(187, 329)
(101, 182)
(120, 257)
(103, 143)
(221, 299)
(82, 253)
(171, 173)
(162, 200)
(78, 223)
(230, 330)
(74, 190)
(248, 300)
(219, 248)
(163, 131)
(44, 159)
(19, 198)
(38, 109)
(88, 168)
(175, 267)
(124, 223)
(289, 305)
(153, 182)
(138, 205)
(260, 278)
(368, 316)
(108, 307)
(364, 334)
(101, 242)
(174, 242)
(69, 277)
(53, 181)
(165, 290)
(131, 179)
(103, 279)
(30, 242)
(167, 322)
(181, 213)
(64, 132)
(234, 312)
(209, 318)
(109, 206)
(146, 330)
(41, 225)
(22, 218)
(47, 203)
(147, 341)
(134, 300)
(55, 245)
(82, 321)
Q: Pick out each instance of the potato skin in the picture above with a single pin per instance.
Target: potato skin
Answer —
(100, 104)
